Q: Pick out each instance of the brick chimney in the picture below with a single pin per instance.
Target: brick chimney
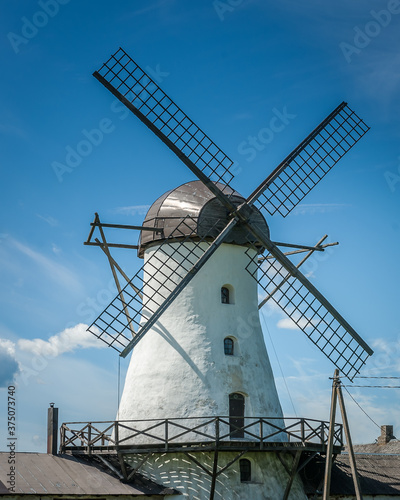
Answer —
(386, 434)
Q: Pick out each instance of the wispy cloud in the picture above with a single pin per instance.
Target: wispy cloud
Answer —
(132, 210)
(380, 76)
(51, 221)
(317, 208)
(12, 130)
(57, 272)
(148, 8)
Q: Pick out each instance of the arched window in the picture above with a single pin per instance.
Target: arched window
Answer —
(245, 470)
(225, 295)
(228, 346)
(236, 415)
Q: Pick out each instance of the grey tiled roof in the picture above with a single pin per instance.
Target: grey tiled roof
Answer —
(379, 474)
(41, 473)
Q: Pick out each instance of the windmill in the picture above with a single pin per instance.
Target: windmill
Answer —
(202, 227)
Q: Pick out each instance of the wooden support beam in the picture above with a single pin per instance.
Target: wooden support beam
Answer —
(302, 250)
(136, 469)
(293, 473)
(278, 454)
(214, 475)
(349, 443)
(112, 245)
(121, 295)
(231, 462)
(111, 467)
(308, 460)
(122, 465)
(329, 450)
(289, 275)
(198, 463)
(119, 269)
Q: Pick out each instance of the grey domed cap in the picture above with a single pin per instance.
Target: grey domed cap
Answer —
(192, 210)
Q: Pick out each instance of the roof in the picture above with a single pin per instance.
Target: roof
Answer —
(41, 473)
(379, 475)
(193, 210)
(392, 447)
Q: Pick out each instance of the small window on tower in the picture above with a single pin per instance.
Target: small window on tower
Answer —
(245, 470)
(228, 346)
(225, 295)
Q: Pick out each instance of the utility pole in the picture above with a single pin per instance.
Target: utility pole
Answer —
(337, 394)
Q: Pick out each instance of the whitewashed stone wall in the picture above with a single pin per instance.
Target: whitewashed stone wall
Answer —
(179, 368)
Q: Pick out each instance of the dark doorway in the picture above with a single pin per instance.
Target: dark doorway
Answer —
(236, 415)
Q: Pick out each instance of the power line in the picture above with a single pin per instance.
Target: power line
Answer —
(362, 409)
(280, 367)
(395, 378)
(375, 386)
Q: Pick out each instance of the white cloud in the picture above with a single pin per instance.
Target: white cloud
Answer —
(9, 367)
(289, 324)
(68, 340)
(132, 210)
(51, 221)
(317, 208)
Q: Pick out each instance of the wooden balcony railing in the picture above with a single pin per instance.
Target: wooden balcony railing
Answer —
(172, 433)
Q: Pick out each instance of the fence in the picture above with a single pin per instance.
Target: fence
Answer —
(164, 434)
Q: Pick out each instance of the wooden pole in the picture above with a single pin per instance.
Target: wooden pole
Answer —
(214, 475)
(329, 450)
(349, 444)
(121, 295)
(293, 473)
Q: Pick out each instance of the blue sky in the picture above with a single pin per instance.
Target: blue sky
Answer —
(228, 65)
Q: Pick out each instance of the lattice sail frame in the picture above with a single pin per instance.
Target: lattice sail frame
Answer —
(170, 261)
(307, 164)
(310, 316)
(154, 107)
(302, 170)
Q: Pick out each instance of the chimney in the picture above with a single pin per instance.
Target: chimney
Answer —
(52, 429)
(386, 434)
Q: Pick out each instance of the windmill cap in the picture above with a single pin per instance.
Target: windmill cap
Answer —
(192, 210)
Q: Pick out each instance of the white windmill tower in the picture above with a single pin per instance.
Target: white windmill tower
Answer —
(203, 411)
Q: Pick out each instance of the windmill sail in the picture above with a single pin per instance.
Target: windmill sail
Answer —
(312, 314)
(306, 165)
(113, 326)
(281, 191)
(134, 88)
